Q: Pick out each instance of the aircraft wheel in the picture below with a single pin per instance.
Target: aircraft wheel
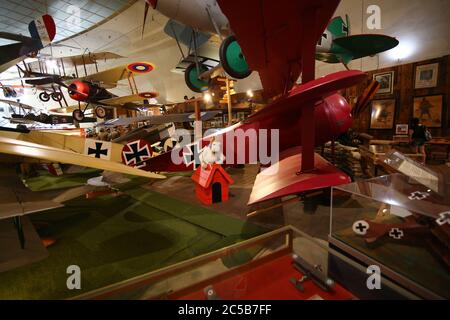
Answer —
(57, 96)
(78, 115)
(100, 112)
(232, 59)
(44, 97)
(191, 78)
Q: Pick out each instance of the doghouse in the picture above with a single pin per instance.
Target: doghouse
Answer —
(212, 184)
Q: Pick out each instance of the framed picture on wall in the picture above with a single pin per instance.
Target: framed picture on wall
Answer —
(386, 81)
(429, 110)
(426, 76)
(382, 114)
(401, 129)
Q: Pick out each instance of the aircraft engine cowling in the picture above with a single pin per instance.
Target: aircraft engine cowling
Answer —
(79, 90)
(333, 118)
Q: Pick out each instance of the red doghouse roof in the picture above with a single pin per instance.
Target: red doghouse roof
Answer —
(204, 177)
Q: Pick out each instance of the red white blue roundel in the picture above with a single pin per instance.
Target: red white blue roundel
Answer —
(136, 152)
(140, 67)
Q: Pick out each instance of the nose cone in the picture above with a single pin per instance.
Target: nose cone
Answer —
(340, 112)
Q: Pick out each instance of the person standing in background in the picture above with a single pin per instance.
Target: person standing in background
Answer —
(417, 138)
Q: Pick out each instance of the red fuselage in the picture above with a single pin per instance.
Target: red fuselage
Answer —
(332, 117)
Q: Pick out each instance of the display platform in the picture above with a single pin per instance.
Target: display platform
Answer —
(399, 223)
(281, 264)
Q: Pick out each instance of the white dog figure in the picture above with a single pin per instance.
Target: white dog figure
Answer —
(211, 154)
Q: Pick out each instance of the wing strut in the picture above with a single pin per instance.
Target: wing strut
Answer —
(307, 120)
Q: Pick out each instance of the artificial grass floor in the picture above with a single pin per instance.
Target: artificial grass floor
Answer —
(115, 238)
(45, 181)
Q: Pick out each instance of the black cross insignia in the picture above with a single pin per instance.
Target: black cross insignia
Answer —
(136, 153)
(396, 233)
(98, 151)
(361, 227)
(443, 218)
(192, 156)
(417, 195)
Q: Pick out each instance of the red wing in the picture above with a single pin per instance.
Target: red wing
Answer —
(272, 35)
(281, 179)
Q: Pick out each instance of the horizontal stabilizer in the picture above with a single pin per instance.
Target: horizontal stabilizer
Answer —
(364, 45)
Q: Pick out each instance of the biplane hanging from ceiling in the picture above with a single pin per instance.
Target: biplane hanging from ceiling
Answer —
(21, 113)
(88, 88)
(192, 24)
(42, 32)
(44, 73)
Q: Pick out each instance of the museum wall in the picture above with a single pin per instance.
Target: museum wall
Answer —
(404, 93)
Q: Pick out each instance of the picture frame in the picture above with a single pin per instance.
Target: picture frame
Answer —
(426, 76)
(386, 81)
(428, 109)
(382, 114)
(401, 129)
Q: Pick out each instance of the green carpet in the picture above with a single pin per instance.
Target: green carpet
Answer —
(116, 238)
(45, 181)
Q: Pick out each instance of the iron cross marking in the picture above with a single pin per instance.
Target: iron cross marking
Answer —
(361, 227)
(98, 151)
(443, 218)
(192, 155)
(137, 154)
(396, 233)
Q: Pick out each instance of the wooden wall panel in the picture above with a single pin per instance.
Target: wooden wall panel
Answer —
(404, 94)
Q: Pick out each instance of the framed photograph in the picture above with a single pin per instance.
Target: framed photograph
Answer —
(427, 76)
(386, 80)
(383, 114)
(429, 110)
(401, 129)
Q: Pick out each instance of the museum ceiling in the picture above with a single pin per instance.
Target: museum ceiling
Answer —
(407, 20)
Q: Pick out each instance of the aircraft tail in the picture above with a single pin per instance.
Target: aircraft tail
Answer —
(339, 28)
(43, 29)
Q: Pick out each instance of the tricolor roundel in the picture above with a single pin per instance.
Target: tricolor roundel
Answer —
(43, 29)
(140, 67)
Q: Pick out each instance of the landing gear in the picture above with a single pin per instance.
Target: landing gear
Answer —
(78, 115)
(232, 59)
(44, 97)
(100, 112)
(57, 96)
(191, 77)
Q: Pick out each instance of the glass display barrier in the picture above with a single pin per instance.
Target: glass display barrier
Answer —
(399, 223)
(283, 264)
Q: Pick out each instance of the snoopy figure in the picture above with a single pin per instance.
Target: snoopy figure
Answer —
(211, 154)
